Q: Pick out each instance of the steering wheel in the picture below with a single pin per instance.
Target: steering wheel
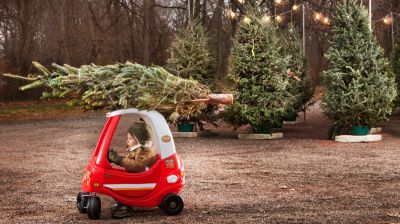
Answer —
(108, 155)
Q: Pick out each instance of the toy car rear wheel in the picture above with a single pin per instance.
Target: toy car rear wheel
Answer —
(94, 207)
(82, 201)
(172, 204)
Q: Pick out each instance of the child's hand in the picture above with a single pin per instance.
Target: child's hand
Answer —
(114, 157)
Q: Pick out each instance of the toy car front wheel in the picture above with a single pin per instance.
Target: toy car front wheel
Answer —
(94, 207)
(82, 201)
(172, 204)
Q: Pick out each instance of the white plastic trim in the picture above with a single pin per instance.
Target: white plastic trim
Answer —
(130, 186)
(122, 111)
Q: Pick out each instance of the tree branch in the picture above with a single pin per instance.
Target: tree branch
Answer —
(169, 7)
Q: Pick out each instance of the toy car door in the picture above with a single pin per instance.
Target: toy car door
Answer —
(121, 181)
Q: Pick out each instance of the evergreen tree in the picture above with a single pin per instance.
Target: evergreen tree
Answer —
(260, 71)
(190, 56)
(301, 85)
(360, 86)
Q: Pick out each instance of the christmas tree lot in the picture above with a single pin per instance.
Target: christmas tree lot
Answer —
(360, 86)
(122, 86)
(260, 72)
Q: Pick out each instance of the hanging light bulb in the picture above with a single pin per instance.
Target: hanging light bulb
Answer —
(279, 18)
(247, 19)
(387, 20)
(266, 18)
(326, 21)
(318, 16)
(241, 1)
(278, 2)
(295, 7)
(232, 14)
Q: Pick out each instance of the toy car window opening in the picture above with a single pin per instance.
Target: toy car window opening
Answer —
(118, 142)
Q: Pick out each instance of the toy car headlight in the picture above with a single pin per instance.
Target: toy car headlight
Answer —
(172, 179)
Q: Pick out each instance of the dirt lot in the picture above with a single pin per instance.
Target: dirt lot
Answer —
(302, 178)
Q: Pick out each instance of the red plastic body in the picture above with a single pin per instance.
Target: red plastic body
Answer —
(99, 172)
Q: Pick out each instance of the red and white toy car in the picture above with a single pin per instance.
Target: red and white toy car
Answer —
(157, 187)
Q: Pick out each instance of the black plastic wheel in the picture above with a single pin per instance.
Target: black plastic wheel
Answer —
(81, 202)
(172, 204)
(94, 207)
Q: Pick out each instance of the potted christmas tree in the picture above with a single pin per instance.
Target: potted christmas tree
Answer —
(360, 86)
(259, 70)
(301, 85)
(190, 59)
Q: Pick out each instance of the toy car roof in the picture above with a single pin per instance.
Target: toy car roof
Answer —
(161, 134)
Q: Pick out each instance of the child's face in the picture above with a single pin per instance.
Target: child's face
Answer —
(130, 141)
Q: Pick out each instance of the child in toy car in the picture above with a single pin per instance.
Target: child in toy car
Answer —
(141, 155)
(140, 158)
(157, 187)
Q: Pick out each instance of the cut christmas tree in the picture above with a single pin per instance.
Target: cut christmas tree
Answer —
(360, 86)
(122, 86)
(260, 71)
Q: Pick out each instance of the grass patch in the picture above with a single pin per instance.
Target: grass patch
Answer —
(38, 108)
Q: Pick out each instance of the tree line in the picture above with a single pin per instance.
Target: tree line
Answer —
(80, 32)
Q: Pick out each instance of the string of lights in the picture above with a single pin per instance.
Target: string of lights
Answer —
(318, 16)
(389, 20)
(280, 17)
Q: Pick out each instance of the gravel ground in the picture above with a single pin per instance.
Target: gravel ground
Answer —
(302, 178)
